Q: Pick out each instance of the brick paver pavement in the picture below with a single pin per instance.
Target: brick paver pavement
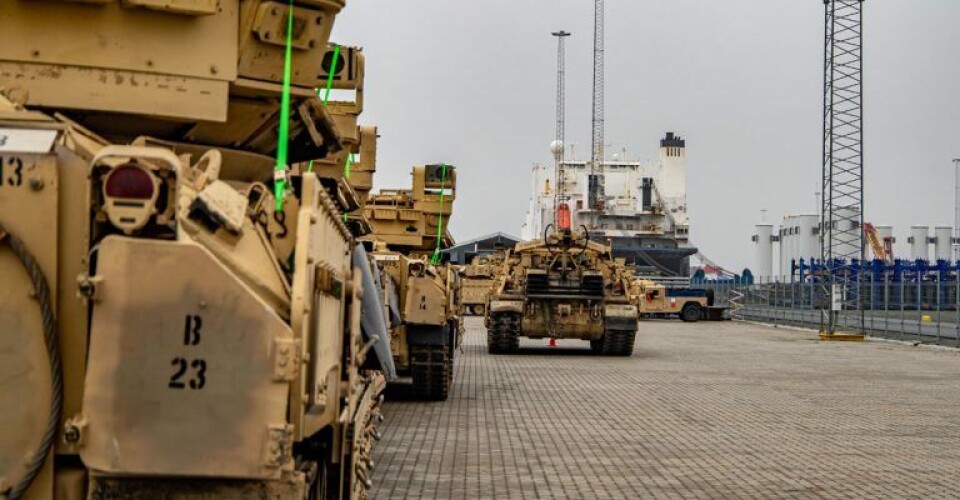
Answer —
(707, 410)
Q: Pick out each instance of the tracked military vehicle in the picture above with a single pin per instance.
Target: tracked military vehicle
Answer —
(180, 305)
(564, 286)
(477, 280)
(421, 293)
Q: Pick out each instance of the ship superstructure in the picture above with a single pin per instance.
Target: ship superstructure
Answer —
(639, 210)
(644, 207)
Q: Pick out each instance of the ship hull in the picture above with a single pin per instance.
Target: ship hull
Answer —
(651, 255)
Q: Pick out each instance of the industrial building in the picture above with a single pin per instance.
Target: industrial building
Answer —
(797, 239)
(464, 252)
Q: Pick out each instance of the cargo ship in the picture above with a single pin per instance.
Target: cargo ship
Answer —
(642, 214)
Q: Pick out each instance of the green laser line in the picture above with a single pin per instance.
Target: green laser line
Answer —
(443, 181)
(346, 166)
(280, 183)
(326, 97)
(333, 70)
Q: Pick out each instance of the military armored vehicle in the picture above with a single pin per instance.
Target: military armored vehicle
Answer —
(181, 298)
(421, 292)
(564, 286)
(477, 279)
(654, 299)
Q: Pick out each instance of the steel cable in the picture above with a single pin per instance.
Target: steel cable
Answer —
(42, 291)
(649, 260)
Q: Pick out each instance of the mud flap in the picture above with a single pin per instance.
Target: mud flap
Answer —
(506, 306)
(620, 317)
(429, 335)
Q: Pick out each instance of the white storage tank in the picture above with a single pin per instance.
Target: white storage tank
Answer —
(784, 241)
(808, 241)
(942, 244)
(799, 239)
(919, 245)
(763, 250)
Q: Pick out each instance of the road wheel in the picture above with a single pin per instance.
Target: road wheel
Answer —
(691, 313)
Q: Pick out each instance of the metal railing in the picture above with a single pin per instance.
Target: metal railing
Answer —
(926, 311)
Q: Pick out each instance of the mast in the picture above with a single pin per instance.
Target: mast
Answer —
(595, 180)
(559, 144)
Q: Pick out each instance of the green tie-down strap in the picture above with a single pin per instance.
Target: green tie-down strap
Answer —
(280, 183)
(435, 259)
(326, 97)
(279, 178)
(351, 159)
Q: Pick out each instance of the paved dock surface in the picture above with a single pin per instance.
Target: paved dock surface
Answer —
(707, 410)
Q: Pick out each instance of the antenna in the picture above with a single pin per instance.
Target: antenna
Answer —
(595, 179)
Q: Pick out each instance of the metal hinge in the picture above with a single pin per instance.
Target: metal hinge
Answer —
(327, 282)
(90, 287)
(286, 359)
(279, 445)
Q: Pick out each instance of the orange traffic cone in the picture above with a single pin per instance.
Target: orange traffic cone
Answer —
(553, 343)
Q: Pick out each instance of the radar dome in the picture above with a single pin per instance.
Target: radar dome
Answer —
(556, 147)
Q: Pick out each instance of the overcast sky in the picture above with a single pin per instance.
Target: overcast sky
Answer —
(473, 84)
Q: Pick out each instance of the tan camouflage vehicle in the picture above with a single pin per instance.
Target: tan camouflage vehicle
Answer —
(477, 280)
(562, 287)
(689, 304)
(420, 292)
(180, 318)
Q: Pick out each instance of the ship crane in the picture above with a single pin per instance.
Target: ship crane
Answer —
(882, 249)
